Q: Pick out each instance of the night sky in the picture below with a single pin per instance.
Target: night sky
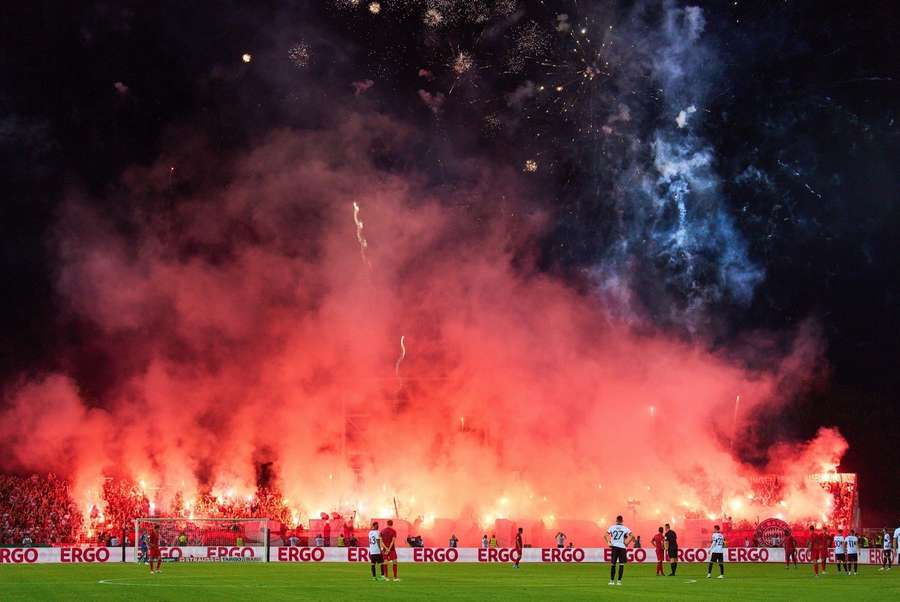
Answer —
(723, 173)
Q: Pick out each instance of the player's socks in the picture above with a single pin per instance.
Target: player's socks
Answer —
(612, 573)
(395, 572)
(373, 570)
(709, 570)
(721, 569)
(621, 570)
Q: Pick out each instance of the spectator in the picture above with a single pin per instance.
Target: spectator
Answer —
(326, 533)
(453, 541)
(354, 542)
(340, 541)
(484, 541)
(560, 539)
(293, 540)
(319, 541)
(26, 541)
(182, 539)
(637, 542)
(493, 540)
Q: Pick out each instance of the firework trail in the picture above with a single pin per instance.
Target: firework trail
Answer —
(402, 356)
(359, 235)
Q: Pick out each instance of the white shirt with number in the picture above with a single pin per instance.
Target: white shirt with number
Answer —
(851, 544)
(718, 544)
(897, 536)
(886, 541)
(374, 546)
(838, 544)
(617, 535)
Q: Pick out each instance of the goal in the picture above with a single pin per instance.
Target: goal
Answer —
(204, 538)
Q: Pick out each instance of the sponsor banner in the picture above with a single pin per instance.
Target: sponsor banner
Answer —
(87, 554)
(70, 554)
(542, 555)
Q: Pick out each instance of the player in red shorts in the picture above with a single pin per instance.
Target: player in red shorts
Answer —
(790, 549)
(818, 549)
(657, 542)
(154, 549)
(389, 540)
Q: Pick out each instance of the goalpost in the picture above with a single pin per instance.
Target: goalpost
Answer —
(205, 539)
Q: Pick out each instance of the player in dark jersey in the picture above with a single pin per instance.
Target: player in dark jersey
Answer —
(389, 542)
(519, 546)
(672, 548)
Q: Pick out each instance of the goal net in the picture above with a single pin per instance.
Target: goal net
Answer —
(203, 539)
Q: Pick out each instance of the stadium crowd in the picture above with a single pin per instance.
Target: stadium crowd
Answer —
(37, 510)
(40, 510)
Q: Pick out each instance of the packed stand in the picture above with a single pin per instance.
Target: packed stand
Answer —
(37, 510)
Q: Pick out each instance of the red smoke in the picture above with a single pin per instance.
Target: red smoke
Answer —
(251, 329)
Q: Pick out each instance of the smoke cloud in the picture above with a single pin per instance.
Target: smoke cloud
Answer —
(248, 330)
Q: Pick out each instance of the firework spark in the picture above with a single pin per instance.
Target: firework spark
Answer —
(531, 166)
(374, 7)
(246, 57)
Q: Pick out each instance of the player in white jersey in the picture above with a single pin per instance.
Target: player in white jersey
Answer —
(618, 538)
(840, 557)
(375, 552)
(852, 542)
(887, 550)
(716, 553)
(896, 544)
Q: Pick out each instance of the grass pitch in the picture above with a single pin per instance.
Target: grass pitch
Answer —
(267, 582)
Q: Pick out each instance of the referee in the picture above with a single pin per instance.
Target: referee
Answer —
(672, 548)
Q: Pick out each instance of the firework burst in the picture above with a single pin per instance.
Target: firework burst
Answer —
(299, 55)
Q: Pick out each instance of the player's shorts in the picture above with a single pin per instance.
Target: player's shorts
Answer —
(852, 557)
(376, 558)
(154, 553)
(717, 557)
(673, 553)
(816, 555)
(840, 557)
(618, 555)
(391, 555)
(660, 554)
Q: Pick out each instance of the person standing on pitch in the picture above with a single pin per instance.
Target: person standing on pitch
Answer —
(389, 541)
(519, 546)
(817, 549)
(852, 543)
(618, 537)
(672, 548)
(790, 549)
(840, 557)
(375, 552)
(657, 542)
(717, 553)
(886, 549)
(896, 544)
